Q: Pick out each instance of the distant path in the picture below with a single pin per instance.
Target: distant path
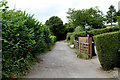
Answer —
(62, 62)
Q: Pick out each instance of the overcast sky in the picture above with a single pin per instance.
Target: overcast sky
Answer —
(44, 9)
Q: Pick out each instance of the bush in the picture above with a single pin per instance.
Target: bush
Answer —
(119, 21)
(24, 38)
(101, 31)
(82, 55)
(107, 46)
(68, 36)
(76, 35)
(53, 39)
(78, 29)
(92, 33)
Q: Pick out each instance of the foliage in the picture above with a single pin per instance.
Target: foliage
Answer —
(107, 46)
(82, 55)
(118, 21)
(92, 33)
(56, 26)
(68, 36)
(78, 29)
(111, 15)
(101, 31)
(89, 28)
(75, 35)
(118, 13)
(69, 27)
(23, 39)
(53, 39)
(93, 17)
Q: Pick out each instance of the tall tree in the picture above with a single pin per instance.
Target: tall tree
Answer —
(118, 13)
(92, 16)
(56, 26)
(111, 15)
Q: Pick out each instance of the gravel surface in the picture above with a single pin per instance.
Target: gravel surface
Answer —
(62, 62)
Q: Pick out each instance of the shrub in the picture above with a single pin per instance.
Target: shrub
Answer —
(107, 46)
(119, 21)
(89, 28)
(92, 33)
(82, 55)
(53, 39)
(76, 35)
(68, 36)
(101, 31)
(24, 38)
(78, 29)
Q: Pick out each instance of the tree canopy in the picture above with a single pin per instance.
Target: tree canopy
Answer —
(56, 26)
(111, 15)
(93, 17)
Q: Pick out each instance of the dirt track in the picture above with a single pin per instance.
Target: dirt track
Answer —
(62, 62)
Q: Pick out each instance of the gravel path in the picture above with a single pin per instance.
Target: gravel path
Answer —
(62, 62)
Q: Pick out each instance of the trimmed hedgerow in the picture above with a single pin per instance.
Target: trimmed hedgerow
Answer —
(119, 21)
(76, 35)
(101, 31)
(107, 46)
(92, 33)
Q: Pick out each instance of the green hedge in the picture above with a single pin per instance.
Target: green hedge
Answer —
(53, 39)
(68, 36)
(101, 31)
(107, 46)
(92, 33)
(76, 35)
(23, 39)
(119, 21)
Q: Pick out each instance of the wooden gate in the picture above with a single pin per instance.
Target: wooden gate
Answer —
(76, 44)
(85, 45)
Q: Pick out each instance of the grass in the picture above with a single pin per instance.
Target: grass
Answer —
(82, 55)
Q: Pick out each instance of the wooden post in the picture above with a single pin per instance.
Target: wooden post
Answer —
(90, 47)
(79, 43)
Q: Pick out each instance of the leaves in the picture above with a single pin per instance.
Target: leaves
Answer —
(111, 15)
(23, 39)
(92, 16)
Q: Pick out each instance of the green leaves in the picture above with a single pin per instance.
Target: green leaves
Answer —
(92, 16)
(111, 15)
(56, 26)
(107, 46)
(23, 39)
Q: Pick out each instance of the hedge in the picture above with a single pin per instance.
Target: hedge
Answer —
(68, 36)
(76, 35)
(23, 39)
(119, 21)
(107, 46)
(92, 33)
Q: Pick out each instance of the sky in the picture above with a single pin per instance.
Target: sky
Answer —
(44, 9)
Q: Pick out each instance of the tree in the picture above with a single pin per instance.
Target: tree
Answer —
(68, 27)
(93, 16)
(111, 15)
(56, 26)
(118, 13)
